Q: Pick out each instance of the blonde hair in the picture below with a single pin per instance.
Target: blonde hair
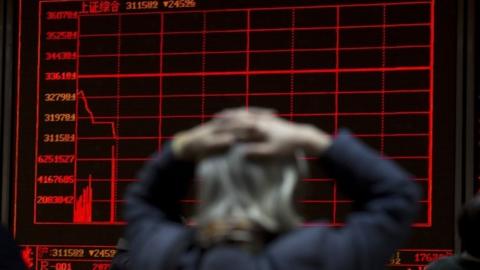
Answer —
(236, 187)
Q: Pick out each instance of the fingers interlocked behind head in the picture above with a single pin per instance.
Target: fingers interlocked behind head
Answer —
(265, 133)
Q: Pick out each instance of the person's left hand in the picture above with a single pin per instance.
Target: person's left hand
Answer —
(218, 134)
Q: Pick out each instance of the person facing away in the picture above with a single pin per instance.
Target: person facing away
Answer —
(248, 163)
(469, 231)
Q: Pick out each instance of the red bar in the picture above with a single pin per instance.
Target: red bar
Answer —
(255, 72)
(350, 27)
(258, 51)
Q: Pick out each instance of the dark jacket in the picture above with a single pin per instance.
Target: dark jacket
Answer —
(121, 260)
(9, 252)
(385, 203)
(457, 262)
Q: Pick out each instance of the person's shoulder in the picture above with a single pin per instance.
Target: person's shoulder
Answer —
(445, 263)
(469, 263)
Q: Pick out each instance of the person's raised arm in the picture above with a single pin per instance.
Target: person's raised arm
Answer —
(154, 232)
(152, 210)
(385, 202)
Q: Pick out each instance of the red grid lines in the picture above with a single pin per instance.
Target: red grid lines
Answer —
(150, 76)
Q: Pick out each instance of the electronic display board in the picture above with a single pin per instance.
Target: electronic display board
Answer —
(103, 84)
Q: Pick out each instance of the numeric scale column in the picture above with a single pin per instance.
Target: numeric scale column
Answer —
(56, 96)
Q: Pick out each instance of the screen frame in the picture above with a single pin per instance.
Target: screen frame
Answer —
(467, 132)
(465, 109)
(7, 86)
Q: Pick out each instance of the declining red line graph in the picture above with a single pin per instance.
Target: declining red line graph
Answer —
(113, 187)
(131, 99)
(91, 116)
(83, 205)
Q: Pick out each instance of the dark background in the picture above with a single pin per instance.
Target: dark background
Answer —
(454, 56)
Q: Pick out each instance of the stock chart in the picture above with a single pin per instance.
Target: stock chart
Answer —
(104, 84)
